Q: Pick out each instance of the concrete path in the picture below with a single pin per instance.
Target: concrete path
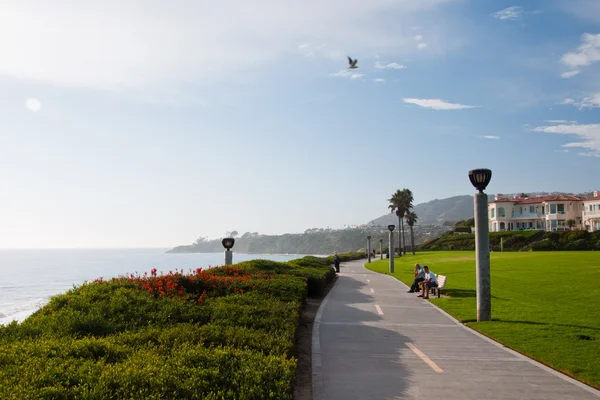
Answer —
(372, 340)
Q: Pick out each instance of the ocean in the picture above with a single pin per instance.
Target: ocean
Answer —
(29, 278)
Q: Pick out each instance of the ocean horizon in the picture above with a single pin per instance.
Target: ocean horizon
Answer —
(31, 277)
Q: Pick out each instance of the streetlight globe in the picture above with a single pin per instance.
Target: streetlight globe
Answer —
(480, 178)
(228, 243)
(369, 237)
(391, 227)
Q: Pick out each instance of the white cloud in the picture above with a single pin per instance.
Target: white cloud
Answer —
(570, 74)
(588, 135)
(560, 121)
(393, 65)
(421, 46)
(562, 151)
(586, 54)
(592, 101)
(436, 104)
(418, 37)
(511, 13)
(33, 105)
(141, 44)
(379, 80)
(491, 137)
(346, 73)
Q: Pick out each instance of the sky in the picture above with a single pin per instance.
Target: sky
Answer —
(145, 123)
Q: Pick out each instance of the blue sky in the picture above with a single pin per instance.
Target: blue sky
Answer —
(142, 123)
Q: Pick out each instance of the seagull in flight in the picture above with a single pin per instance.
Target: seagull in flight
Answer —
(352, 63)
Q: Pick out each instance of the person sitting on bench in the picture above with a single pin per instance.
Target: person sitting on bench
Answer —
(418, 278)
(429, 282)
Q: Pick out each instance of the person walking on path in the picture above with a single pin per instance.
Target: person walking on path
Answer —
(336, 261)
(429, 282)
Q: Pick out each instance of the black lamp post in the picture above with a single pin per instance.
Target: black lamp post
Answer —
(391, 249)
(480, 179)
(228, 244)
(369, 247)
(381, 249)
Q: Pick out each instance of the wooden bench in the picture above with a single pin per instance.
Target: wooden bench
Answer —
(441, 283)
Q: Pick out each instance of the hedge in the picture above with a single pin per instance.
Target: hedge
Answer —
(222, 333)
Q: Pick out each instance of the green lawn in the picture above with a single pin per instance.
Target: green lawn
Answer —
(544, 304)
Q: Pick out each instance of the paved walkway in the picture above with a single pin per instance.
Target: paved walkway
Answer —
(372, 340)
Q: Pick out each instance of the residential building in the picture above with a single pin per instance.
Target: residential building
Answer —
(549, 213)
(591, 212)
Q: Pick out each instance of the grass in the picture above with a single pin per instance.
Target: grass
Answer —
(545, 305)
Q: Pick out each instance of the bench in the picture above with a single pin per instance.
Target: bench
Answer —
(441, 283)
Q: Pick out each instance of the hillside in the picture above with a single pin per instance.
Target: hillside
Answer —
(313, 241)
(438, 211)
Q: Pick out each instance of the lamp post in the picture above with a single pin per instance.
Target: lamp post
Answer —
(228, 244)
(480, 178)
(369, 247)
(391, 249)
(381, 249)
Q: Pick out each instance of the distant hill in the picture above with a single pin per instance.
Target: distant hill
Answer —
(438, 211)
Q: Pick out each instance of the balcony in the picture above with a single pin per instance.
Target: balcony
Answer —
(528, 216)
(591, 213)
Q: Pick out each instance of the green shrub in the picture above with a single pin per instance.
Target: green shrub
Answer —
(226, 332)
(553, 236)
(254, 311)
(83, 369)
(544, 245)
(101, 309)
(579, 244)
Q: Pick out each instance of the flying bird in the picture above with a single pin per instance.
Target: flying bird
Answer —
(352, 63)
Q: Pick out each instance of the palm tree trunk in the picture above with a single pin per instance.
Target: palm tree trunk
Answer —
(412, 240)
(403, 238)
(399, 236)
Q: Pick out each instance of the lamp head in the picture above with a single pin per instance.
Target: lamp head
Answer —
(369, 237)
(391, 227)
(480, 178)
(228, 243)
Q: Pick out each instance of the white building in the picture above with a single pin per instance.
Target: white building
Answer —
(591, 212)
(549, 213)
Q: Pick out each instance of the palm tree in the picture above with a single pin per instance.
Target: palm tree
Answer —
(571, 223)
(411, 218)
(401, 202)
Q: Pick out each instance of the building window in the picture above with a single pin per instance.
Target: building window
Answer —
(512, 212)
(501, 212)
(552, 208)
(531, 209)
(561, 208)
(493, 210)
(520, 210)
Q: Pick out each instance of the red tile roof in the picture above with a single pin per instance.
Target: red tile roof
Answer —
(539, 199)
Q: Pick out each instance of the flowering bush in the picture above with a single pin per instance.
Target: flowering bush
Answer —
(225, 332)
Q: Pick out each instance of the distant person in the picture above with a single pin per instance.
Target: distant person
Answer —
(336, 261)
(429, 282)
(418, 278)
